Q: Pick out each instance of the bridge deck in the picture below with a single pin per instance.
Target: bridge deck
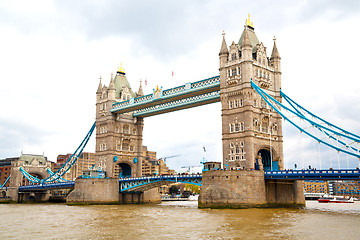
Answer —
(145, 183)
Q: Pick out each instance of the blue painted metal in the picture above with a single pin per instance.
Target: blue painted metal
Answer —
(145, 183)
(175, 105)
(341, 174)
(66, 166)
(36, 187)
(263, 94)
(58, 180)
(115, 158)
(137, 184)
(290, 101)
(184, 96)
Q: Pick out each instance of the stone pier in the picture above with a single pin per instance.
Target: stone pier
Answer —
(246, 189)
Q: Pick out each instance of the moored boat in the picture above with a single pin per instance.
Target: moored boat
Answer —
(335, 199)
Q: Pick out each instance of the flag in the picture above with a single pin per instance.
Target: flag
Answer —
(172, 73)
(204, 149)
(145, 82)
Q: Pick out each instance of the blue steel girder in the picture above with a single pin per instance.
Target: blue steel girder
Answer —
(146, 183)
(36, 187)
(185, 96)
(339, 174)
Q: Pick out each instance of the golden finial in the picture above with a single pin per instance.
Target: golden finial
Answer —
(121, 69)
(248, 22)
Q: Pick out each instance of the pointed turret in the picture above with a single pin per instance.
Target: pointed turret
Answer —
(140, 92)
(224, 48)
(99, 90)
(112, 84)
(275, 52)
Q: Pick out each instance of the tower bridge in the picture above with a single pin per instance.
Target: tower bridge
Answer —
(248, 88)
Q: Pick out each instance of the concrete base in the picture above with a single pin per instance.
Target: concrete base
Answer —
(247, 189)
(94, 191)
(149, 196)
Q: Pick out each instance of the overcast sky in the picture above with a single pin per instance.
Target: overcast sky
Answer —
(52, 54)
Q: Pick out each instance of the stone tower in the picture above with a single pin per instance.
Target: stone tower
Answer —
(251, 131)
(118, 136)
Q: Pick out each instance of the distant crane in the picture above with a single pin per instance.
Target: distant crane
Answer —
(164, 158)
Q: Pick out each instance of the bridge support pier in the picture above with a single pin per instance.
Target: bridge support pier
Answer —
(94, 191)
(149, 196)
(247, 189)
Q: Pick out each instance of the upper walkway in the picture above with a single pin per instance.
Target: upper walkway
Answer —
(162, 101)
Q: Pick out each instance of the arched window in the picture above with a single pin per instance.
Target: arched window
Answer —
(265, 125)
(126, 129)
(241, 102)
(242, 126)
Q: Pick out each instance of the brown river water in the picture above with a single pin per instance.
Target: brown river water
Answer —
(178, 220)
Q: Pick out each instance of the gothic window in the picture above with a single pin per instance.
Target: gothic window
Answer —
(236, 103)
(231, 128)
(231, 145)
(229, 73)
(118, 147)
(265, 125)
(263, 103)
(230, 104)
(238, 70)
(242, 126)
(126, 129)
(241, 102)
(131, 148)
(233, 57)
(237, 127)
(237, 157)
(237, 150)
(233, 72)
(241, 144)
(134, 131)
(125, 147)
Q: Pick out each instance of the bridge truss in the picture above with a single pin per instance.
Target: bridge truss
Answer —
(146, 183)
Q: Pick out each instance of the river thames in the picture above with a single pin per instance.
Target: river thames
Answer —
(178, 220)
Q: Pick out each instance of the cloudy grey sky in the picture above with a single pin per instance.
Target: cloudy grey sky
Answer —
(52, 54)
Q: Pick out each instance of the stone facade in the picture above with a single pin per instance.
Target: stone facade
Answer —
(118, 136)
(251, 132)
(35, 165)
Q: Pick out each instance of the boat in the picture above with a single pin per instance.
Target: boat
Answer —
(193, 197)
(335, 199)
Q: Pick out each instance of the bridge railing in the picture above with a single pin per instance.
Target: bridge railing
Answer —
(165, 177)
(336, 174)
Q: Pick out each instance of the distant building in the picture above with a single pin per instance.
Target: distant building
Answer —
(5, 168)
(316, 186)
(347, 188)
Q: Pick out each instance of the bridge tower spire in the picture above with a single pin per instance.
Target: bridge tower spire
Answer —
(251, 132)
